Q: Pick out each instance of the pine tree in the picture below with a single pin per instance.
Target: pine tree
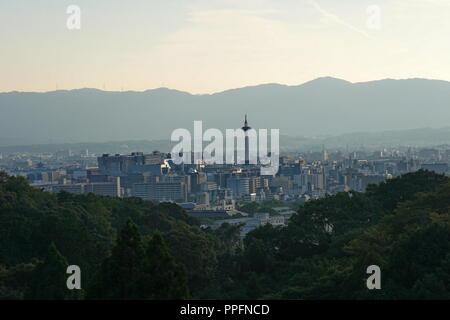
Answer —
(50, 277)
(121, 272)
(163, 278)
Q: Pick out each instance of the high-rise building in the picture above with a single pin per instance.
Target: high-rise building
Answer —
(123, 165)
(71, 188)
(170, 191)
(239, 186)
(142, 190)
(160, 191)
(111, 188)
(254, 184)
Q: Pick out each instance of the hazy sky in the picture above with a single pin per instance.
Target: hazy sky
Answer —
(204, 46)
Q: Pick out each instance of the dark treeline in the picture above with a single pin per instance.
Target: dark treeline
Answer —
(135, 249)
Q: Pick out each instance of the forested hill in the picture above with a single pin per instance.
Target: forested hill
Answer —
(134, 249)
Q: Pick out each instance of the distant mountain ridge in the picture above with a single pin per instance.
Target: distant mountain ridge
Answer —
(325, 106)
(425, 137)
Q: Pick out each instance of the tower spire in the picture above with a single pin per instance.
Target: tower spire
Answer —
(246, 127)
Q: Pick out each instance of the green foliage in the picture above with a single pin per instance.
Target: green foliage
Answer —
(194, 249)
(401, 225)
(163, 278)
(120, 273)
(265, 206)
(49, 279)
(135, 249)
(136, 271)
(15, 281)
(84, 228)
(405, 187)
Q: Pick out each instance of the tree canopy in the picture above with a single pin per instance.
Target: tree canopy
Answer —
(134, 249)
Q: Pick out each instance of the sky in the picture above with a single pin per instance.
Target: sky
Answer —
(206, 46)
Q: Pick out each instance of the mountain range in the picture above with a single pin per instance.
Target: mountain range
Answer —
(324, 107)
